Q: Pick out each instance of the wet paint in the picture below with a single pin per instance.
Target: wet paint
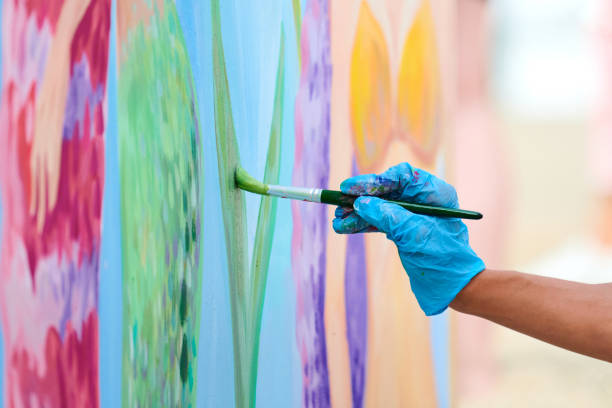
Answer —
(247, 182)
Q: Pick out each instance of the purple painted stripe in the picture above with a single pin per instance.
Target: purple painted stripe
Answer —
(356, 305)
(311, 168)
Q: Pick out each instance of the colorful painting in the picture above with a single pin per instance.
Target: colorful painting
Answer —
(55, 60)
(135, 273)
(160, 168)
(387, 106)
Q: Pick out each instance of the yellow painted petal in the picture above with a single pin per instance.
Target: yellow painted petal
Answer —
(370, 90)
(419, 82)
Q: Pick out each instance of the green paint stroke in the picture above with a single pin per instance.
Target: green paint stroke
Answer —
(247, 286)
(297, 19)
(234, 212)
(161, 201)
(267, 213)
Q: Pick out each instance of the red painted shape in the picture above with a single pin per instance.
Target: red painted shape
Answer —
(76, 216)
(71, 375)
(43, 10)
(65, 372)
(91, 39)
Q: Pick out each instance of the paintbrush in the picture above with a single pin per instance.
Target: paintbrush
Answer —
(245, 182)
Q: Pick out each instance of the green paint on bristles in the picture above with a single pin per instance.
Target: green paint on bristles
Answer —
(246, 182)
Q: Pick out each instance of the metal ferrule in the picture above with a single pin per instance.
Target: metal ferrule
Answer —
(295, 193)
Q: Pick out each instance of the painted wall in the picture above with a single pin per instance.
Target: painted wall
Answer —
(133, 272)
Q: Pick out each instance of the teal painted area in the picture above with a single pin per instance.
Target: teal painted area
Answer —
(440, 348)
(110, 306)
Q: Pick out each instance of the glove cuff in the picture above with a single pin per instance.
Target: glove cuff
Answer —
(437, 307)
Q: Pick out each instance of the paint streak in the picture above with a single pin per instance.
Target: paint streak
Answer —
(161, 201)
(247, 287)
(49, 275)
(297, 20)
(311, 168)
(356, 305)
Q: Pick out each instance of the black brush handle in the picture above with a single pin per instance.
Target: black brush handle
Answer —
(338, 198)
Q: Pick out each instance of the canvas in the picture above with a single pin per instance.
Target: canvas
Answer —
(135, 273)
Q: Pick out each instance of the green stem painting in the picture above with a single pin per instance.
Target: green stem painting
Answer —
(247, 285)
(297, 20)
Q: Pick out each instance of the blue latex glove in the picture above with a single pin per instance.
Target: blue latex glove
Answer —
(435, 252)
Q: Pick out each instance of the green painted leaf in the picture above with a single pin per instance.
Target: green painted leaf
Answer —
(247, 291)
(234, 212)
(266, 220)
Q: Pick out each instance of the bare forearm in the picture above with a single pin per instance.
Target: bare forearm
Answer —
(575, 316)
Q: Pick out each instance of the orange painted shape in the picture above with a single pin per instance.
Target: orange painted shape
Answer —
(370, 90)
(418, 100)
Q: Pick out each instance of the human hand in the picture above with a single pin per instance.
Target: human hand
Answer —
(434, 251)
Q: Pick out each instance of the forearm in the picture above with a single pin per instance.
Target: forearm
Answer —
(575, 316)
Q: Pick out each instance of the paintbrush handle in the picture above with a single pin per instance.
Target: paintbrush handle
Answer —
(344, 200)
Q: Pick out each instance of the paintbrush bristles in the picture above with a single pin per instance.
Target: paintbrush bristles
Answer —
(246, 182)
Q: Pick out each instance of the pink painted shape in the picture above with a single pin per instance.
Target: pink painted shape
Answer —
(49, 279)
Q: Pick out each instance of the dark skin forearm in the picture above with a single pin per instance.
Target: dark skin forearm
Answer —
(572, 315)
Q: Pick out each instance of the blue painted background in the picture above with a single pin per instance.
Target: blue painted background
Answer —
(110, 296)
(251, 41)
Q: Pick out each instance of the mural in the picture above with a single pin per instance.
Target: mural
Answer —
(226, 298)
(387, 106)
(310, 229)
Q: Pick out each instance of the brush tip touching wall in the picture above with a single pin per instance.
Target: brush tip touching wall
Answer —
(246, 182)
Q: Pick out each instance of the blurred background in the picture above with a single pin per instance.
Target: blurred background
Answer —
(534, 129)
